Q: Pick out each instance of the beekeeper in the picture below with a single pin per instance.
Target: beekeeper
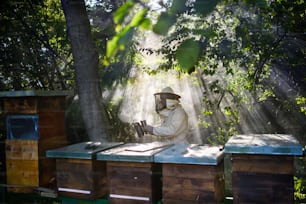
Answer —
(174, 127)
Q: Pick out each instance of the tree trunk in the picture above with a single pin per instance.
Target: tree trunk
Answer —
(86, 63)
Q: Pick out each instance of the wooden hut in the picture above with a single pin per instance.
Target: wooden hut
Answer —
(35, 122)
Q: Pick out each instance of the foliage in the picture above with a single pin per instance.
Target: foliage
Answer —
(125, 28)
(36, 54)
(301, 101)
(300, 180)
(237, 44)
(300, 191)
(34, 50)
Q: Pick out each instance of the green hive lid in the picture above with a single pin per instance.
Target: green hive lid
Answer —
(273, 144)
(191, 154)
(25, 93)
(84, 150)
(132, 152)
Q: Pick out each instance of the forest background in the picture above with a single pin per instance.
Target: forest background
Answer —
(240, 65)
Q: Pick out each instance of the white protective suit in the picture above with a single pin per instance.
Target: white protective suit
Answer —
(174, 127)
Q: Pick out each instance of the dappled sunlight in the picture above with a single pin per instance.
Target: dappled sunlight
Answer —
(138, 100)
(206, 106)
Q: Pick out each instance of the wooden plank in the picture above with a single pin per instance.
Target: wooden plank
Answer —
(20, 105)
(74, 174)
(22, 172)
(262, 188)
(189, 195)
(47, 173)
(189, 171)
(50, 143)
(131, 191)
(52, 103)
(129, 180)
(133, 181)
(51, 124)
(176, 201)
(220, 183)
(143, 165)
(128, 201)
(82, 175)
(191, 183)
(188, 183)
(21, 149)
(262, 164)
(101, 186)
(129, 164)
(22, 189)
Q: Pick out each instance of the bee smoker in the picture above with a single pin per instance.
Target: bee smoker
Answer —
(143, 124)
(138, 129)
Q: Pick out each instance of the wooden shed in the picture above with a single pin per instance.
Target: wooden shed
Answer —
(35, 122)
(78, 173)
(192, 174)
(263, 167)
(132, 175)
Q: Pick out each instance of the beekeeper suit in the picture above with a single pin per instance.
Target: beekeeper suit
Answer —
(174, 127)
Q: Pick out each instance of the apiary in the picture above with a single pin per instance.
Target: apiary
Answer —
(35, 122)
(192, 173)
(262, 167)
(132, 175)
(78, 173)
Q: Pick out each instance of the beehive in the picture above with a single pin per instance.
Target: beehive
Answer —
(132, 175)
(192, 174)
(26, 164)
(262, 167)
(78, 173)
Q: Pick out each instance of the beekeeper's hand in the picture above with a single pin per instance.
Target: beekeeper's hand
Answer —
(149, 129)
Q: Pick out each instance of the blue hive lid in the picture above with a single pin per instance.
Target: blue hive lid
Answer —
(191, 154)
(133, 152)
(271, 144)
(84, 150)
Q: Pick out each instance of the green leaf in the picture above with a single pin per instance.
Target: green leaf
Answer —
(111, 46)
(165, 21)
(125, 37)
(187, 54)
(205, 7)
(262, 3)
(119, 41)
(145, 24)
(178, 6)
(122, 12)
(139, 17)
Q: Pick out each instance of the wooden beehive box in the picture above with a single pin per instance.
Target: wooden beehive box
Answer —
(78, 173)
(192, 174)
(132, 175)
(262, 167)
(26, 164)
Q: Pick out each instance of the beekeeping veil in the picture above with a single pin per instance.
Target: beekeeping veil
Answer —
(166, 99)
